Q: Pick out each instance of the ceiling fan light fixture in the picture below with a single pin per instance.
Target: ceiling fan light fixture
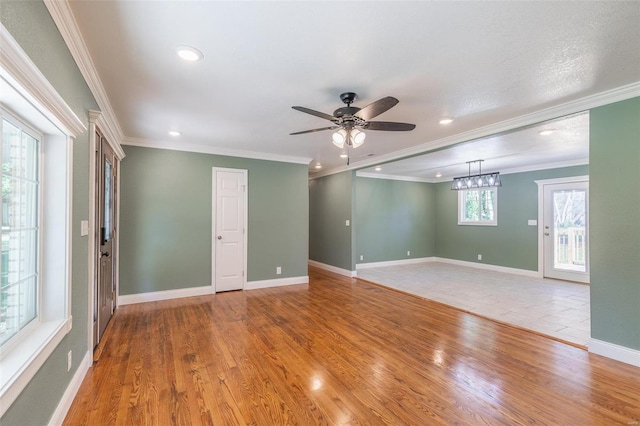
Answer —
(339, 138)
(357, 137)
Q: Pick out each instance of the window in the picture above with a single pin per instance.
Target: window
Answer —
(36, 150)
(478, 207)
(19, 271)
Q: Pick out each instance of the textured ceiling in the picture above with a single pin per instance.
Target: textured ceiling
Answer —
(480, 62)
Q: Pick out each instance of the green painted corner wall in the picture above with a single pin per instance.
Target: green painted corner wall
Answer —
(393, 217)
(166, 214)
(615, 223)
(31, 26)
(330, 205)
(512, 243)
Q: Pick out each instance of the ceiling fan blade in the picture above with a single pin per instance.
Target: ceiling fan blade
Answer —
(315, 130)
(377, 108)
(389, 126)
(313, 112)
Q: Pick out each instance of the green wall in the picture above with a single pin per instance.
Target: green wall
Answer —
(512, 243)
(393, 217)
(31, 26)
(165, 239)
(331, 201)
(615, 223)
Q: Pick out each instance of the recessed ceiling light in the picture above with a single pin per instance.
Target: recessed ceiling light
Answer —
(446, 120)
(188, 53)
(377, 169)
(318, 166)
(546, 132)
(438, 175)
(343, 155)
(174, 133)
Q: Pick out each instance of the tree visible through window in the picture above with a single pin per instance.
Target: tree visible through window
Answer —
(19, 244)
(478, 207)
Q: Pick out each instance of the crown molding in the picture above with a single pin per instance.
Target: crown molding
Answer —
(20, 72)
(205, 149)
(97, 118)
(63, 17)
(586, 103)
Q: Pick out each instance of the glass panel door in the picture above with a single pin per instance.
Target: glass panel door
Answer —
(566, 231)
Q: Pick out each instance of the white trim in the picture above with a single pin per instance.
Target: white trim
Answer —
(541, 184)
(613, 351)
(155, 296)
(394, 262)
(21, 371)
(62, 15)
(487, 266)
(628, 91)
(253, 285)
(245, 271)
(394, 177)
(17, 68)
(206, 149)
(70, 393)
(335, 269)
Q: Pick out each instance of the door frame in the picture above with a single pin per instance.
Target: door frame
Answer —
(97, 120)
(541, 184)
(245, 173)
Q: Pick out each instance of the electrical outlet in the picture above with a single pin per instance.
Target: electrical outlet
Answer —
(479, 257)
(278, 270)
(408, 252)
(361, 257)
(347, 222)
(69, 360)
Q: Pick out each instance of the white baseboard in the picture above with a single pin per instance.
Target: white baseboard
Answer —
(154, 296)
(613, 351)
(70, 393)
(332, 268)
(395, 262)
(252, 285)
(489, 267)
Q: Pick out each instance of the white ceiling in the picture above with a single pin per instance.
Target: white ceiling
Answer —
(516, 151)
(480, 62)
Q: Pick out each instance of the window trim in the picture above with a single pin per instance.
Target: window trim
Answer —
(29, 94)
(6, 114)
(463, 222)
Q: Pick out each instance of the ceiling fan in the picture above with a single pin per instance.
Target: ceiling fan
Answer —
(351, 121)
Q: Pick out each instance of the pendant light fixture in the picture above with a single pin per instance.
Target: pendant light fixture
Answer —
(480, 180)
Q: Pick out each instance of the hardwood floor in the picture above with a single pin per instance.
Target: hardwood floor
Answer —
(341, 351)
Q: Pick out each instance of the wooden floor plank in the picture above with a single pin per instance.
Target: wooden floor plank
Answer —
(341, 351)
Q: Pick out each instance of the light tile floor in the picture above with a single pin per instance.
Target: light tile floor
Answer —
(555, 308)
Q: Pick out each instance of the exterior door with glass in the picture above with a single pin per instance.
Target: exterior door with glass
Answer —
(105, 302)
(566, 231)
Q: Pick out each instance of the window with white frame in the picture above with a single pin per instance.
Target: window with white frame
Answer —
(478, 207)
(19, 271)
(36, 151)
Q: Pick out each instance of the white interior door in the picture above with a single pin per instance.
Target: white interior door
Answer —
(229, 228)
(566, 231)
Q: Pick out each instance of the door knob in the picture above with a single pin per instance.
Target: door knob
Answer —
(219, 237)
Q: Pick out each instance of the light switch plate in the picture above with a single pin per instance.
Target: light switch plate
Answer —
(532, 222)
(84, 228)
